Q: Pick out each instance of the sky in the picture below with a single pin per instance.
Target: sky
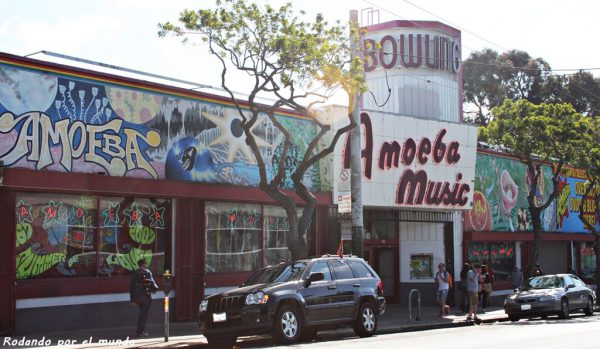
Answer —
(124, 32)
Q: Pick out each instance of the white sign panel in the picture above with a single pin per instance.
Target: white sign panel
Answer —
(413, 163)
(344, 203)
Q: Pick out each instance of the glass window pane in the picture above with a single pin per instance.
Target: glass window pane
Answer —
(499, 257)
(275, 230)
(232, 237)
(342, 270)
(132, 229)
(321, 267)
(588, 260)
(56, 235)
(360, 270)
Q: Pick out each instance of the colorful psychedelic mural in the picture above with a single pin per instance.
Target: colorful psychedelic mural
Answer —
(54, 121)
(570, 202)
(500, 197)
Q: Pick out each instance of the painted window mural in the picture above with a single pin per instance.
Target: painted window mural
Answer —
(588, 260)
(497, 256)
(500, 197)
(57, 122)
(276, 227)
(132, 229)
(233, 237)
(58, 235)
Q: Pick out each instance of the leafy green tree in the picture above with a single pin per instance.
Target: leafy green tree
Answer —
(523, 76)
(283, 56)
(482, 85)
(581, 89)
(537, 135)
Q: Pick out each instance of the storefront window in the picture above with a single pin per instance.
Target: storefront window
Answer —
(233, 237)
(588, 260)
(499, 257)
(381, 225)
(132, 229)
(276, 228)
(56, 235)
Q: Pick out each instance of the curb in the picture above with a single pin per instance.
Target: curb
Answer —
(434, 326)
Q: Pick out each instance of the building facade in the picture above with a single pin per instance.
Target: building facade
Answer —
(498, 230)
(418, 156)
(99, 171)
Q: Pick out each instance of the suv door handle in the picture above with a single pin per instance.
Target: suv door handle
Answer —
(356, 285)
(331, 287)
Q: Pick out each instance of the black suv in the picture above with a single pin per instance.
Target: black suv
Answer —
(292, 300)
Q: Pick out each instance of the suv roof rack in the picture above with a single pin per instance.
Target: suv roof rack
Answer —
(337, 255)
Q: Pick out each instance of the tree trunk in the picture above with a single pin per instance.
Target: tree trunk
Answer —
(296, 242)
(536, 221)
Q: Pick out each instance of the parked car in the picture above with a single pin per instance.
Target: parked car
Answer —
(549, 295)
(292, 300)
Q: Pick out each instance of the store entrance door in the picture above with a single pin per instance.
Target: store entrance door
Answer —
(385, 263)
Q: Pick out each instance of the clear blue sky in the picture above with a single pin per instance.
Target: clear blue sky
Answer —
(123, 32)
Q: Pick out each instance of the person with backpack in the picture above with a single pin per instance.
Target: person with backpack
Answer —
(444, 281)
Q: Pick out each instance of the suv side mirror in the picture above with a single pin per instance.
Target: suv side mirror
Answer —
(314, 277)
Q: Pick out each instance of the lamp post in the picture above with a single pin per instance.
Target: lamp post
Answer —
(167, 289)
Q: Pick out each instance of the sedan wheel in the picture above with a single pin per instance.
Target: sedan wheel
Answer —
(589, 309)
(564, 309)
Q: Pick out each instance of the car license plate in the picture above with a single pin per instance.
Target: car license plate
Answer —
(526, 307)
(219, 317)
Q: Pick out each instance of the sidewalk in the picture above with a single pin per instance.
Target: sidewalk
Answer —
(186, 334)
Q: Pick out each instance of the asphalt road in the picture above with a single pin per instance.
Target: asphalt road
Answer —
(577, 332)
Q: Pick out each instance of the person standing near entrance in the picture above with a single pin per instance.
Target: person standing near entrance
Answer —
(472, 289)
(141, 287)
(464, 297)
(442, 277)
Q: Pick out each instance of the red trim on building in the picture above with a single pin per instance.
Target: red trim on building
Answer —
(524, 236)
(51, 181)
(413, 24)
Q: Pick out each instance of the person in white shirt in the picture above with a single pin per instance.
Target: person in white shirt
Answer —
(442, 277)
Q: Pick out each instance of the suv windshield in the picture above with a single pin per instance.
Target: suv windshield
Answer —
(277, 273)
(542, 282)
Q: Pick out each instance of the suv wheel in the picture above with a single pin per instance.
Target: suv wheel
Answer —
(589, 308)
(287, 325)
(221, 341)
(564, 309)
(365, 324)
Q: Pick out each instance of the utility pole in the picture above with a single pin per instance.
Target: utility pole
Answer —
(355, 152)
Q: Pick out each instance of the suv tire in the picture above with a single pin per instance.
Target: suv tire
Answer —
(287, 326)
(221, 341)
(365, 324)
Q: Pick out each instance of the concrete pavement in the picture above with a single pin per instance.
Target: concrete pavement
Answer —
(395, 319)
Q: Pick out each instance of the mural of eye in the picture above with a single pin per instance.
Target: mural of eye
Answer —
(188, 158)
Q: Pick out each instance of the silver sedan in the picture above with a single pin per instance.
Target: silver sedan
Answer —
(545, 295)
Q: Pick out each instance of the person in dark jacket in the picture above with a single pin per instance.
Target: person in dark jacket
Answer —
(141, 287)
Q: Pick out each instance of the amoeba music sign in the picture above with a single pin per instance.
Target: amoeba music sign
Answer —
(413, 163)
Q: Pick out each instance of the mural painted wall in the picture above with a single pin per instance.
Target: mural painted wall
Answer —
(61, 235)
(500, 197)
(54, 121)
(570, 201)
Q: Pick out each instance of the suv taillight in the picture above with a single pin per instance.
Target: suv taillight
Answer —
(380, 287)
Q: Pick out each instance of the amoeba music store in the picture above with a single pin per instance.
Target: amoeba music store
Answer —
(418, 156)
(99, 171)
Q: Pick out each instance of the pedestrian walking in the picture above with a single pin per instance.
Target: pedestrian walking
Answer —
(141, 287)
(516, 276)
(485, 287)
(472, 289)
(464, 298)
(443, 279)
